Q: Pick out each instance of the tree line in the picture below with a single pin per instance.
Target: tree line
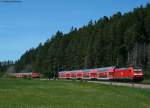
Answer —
(120, 40)
(4, 66)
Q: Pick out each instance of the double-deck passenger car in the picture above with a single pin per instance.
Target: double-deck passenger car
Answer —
(106, 73)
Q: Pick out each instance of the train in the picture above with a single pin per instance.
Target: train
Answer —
(27, 75)
(106, 73)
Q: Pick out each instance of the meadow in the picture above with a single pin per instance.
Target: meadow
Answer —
(21, 93)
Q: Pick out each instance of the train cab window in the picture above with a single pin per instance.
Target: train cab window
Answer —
(137, 70)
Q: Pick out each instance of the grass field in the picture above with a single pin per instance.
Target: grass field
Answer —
(69, 94)
(146, 81)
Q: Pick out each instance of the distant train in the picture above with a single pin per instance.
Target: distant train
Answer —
(106, 73)
(27, 75)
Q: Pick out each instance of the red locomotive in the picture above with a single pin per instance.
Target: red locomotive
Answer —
(107, 73)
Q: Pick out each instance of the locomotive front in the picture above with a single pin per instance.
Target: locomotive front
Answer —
(138, 74)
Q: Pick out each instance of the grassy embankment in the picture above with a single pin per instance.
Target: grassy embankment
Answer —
(146, 81)
(67, 94)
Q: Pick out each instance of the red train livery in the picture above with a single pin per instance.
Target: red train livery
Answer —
(27, 75)
(107, 73)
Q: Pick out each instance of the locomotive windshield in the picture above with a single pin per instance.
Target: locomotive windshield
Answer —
(137, 69)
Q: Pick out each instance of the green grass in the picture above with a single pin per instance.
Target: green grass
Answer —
(146, 81)
(69, 94)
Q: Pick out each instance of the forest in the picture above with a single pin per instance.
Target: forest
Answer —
(120, 40)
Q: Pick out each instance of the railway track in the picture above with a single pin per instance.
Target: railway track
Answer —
(131, 84)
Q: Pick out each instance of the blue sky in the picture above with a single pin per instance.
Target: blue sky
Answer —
(25, 25)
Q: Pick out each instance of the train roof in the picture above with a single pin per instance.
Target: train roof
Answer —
(88, 70)
(106, 68)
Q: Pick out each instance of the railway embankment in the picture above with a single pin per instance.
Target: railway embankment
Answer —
(135, 85)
